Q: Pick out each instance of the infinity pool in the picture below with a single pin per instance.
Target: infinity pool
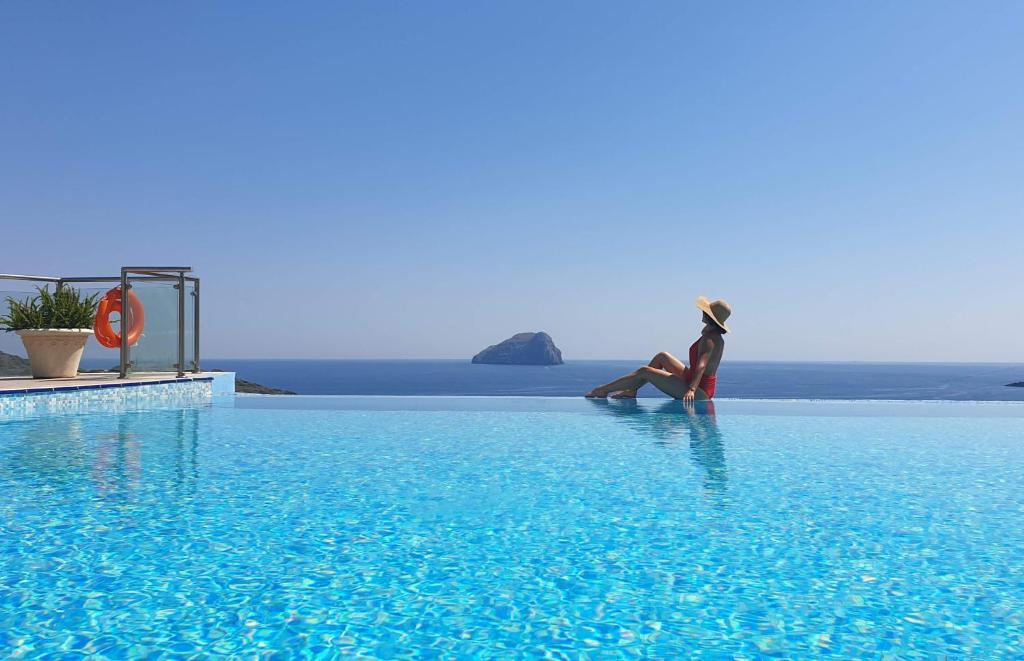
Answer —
(430, 527)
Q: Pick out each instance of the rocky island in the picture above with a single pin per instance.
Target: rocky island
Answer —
(522, 349)
(1016, 384)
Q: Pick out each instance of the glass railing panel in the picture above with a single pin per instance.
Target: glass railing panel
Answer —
(157, 348)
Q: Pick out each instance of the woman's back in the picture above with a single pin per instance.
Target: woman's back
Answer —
(712, 343)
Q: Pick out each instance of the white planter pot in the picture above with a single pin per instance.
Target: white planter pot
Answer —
(54, 353)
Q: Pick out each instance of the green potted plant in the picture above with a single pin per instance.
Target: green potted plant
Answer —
(54, 327)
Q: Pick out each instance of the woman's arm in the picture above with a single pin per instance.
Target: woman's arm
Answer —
(704, 350)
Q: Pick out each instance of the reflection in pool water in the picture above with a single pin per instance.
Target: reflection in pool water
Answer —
(110, 453)
(669, 423)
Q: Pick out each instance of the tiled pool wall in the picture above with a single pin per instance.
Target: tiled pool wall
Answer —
(115, 396)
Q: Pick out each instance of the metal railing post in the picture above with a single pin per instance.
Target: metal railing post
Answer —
(195, 330)
(181, 325)
(125, 312)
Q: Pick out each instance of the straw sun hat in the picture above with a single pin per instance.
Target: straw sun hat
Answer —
(718, 310)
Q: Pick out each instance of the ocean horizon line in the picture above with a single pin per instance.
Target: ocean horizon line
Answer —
(644, 360)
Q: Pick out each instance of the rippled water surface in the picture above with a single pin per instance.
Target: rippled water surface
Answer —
(460, 529)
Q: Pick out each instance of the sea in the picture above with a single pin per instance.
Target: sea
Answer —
(736, 379)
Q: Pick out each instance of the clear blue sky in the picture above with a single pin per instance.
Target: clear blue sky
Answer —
(388, 179)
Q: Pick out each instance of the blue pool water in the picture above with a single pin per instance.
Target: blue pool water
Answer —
(490, 527)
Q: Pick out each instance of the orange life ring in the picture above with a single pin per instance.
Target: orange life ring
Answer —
(110, 303)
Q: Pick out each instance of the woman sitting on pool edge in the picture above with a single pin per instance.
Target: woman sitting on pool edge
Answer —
(666, 373)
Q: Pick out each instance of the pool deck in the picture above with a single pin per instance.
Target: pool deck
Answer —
(94, 380)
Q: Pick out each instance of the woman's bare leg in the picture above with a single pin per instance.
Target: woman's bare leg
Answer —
(631, 381)
(663, 380)
(662, 361)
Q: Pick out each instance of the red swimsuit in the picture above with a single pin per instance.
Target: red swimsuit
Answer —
(708, 381)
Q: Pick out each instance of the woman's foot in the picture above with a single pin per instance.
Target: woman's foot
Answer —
(624, 394)
(596, 393)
